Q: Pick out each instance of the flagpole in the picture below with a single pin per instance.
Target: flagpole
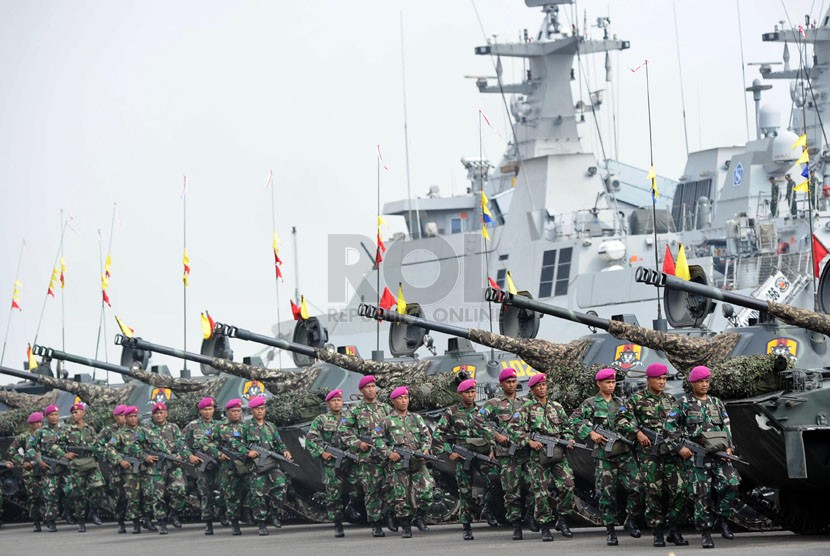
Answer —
(184, 282)
(11, 308)
(276, 278)
(46, 297)
(483, 224)
(653, 191)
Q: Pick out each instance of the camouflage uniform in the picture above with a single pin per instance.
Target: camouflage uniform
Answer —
(548, 419)
(124, 442)
(689, 419)
(506, 413)
(172, 475)
(267, 485)
(363, 419)
(658, 472)
(31, 477)
(200, 436)
(411, 432)
(47, 442)
(83, 490)
(466, 427)
(233, 473)
(610, 470)
(332, 428)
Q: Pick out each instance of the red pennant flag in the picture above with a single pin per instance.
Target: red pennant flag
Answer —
(668, 262)
(819, 252)
(493, 284)
(295, 310)
(387, 300)
(106, 298)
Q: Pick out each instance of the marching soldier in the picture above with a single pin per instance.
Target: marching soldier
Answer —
(363, 419)
(114, 484)
(617, 465)
(124, 451)
(702, 419)
(47, 444)
(267, 483)
(463, 426)
(547, 417)
(167, 488)
(408, 431)
(84, 484)
(200, 436)
(505, 411)
(233, 469)
(327, 431)
(31, 473)
(660, 469)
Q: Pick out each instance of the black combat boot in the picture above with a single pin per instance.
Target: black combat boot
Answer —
(175, 521)
(208, 527)
(406, 525)
(338, 529)
(377, 530)
(136, 527)
(389, 521)
(611, 539)
(706, 540)
(419, 521)
(81, 527)
(36, 527)
(547, 536)
(263, 530)
(517, 531)
(122, 528)
(658, 537)
(676, 537)
(630, 525)
(162, 527)
(51, 527)
(468, 532)
(235, 527)
(725, 531)
(562, 527)
(95, 518)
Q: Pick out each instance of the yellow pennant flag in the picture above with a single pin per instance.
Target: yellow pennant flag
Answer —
(303, 308)
(401, 300)
(804, 158)
(681, 269)
(511, 287)
(207, 329)
(803, 187)
(30, 356)
(801, 142)
(125, 330)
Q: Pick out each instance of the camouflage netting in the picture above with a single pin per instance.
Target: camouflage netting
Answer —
(804, 318)
(742, 377)
(539, 354)
(683, 351)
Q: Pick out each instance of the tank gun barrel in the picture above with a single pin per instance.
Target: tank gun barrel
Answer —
(43, 351)
(379, 313)
(522, 302)
(236, 332)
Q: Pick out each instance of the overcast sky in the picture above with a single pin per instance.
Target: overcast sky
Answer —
(109, 102)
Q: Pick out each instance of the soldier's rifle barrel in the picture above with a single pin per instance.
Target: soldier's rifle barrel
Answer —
(139, 343)
(379, 313)
(661, 279)
(522, 302)
(235, 332)
(43, 351)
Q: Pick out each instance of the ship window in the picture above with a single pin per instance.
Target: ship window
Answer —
(556, 272)
(501, 277)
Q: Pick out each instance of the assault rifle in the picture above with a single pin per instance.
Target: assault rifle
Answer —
(265, 453)
(550, 443)
(512, 447)
(699, 453)
(656, 438)
(339, 455)
(612, 437)
(470, 456)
